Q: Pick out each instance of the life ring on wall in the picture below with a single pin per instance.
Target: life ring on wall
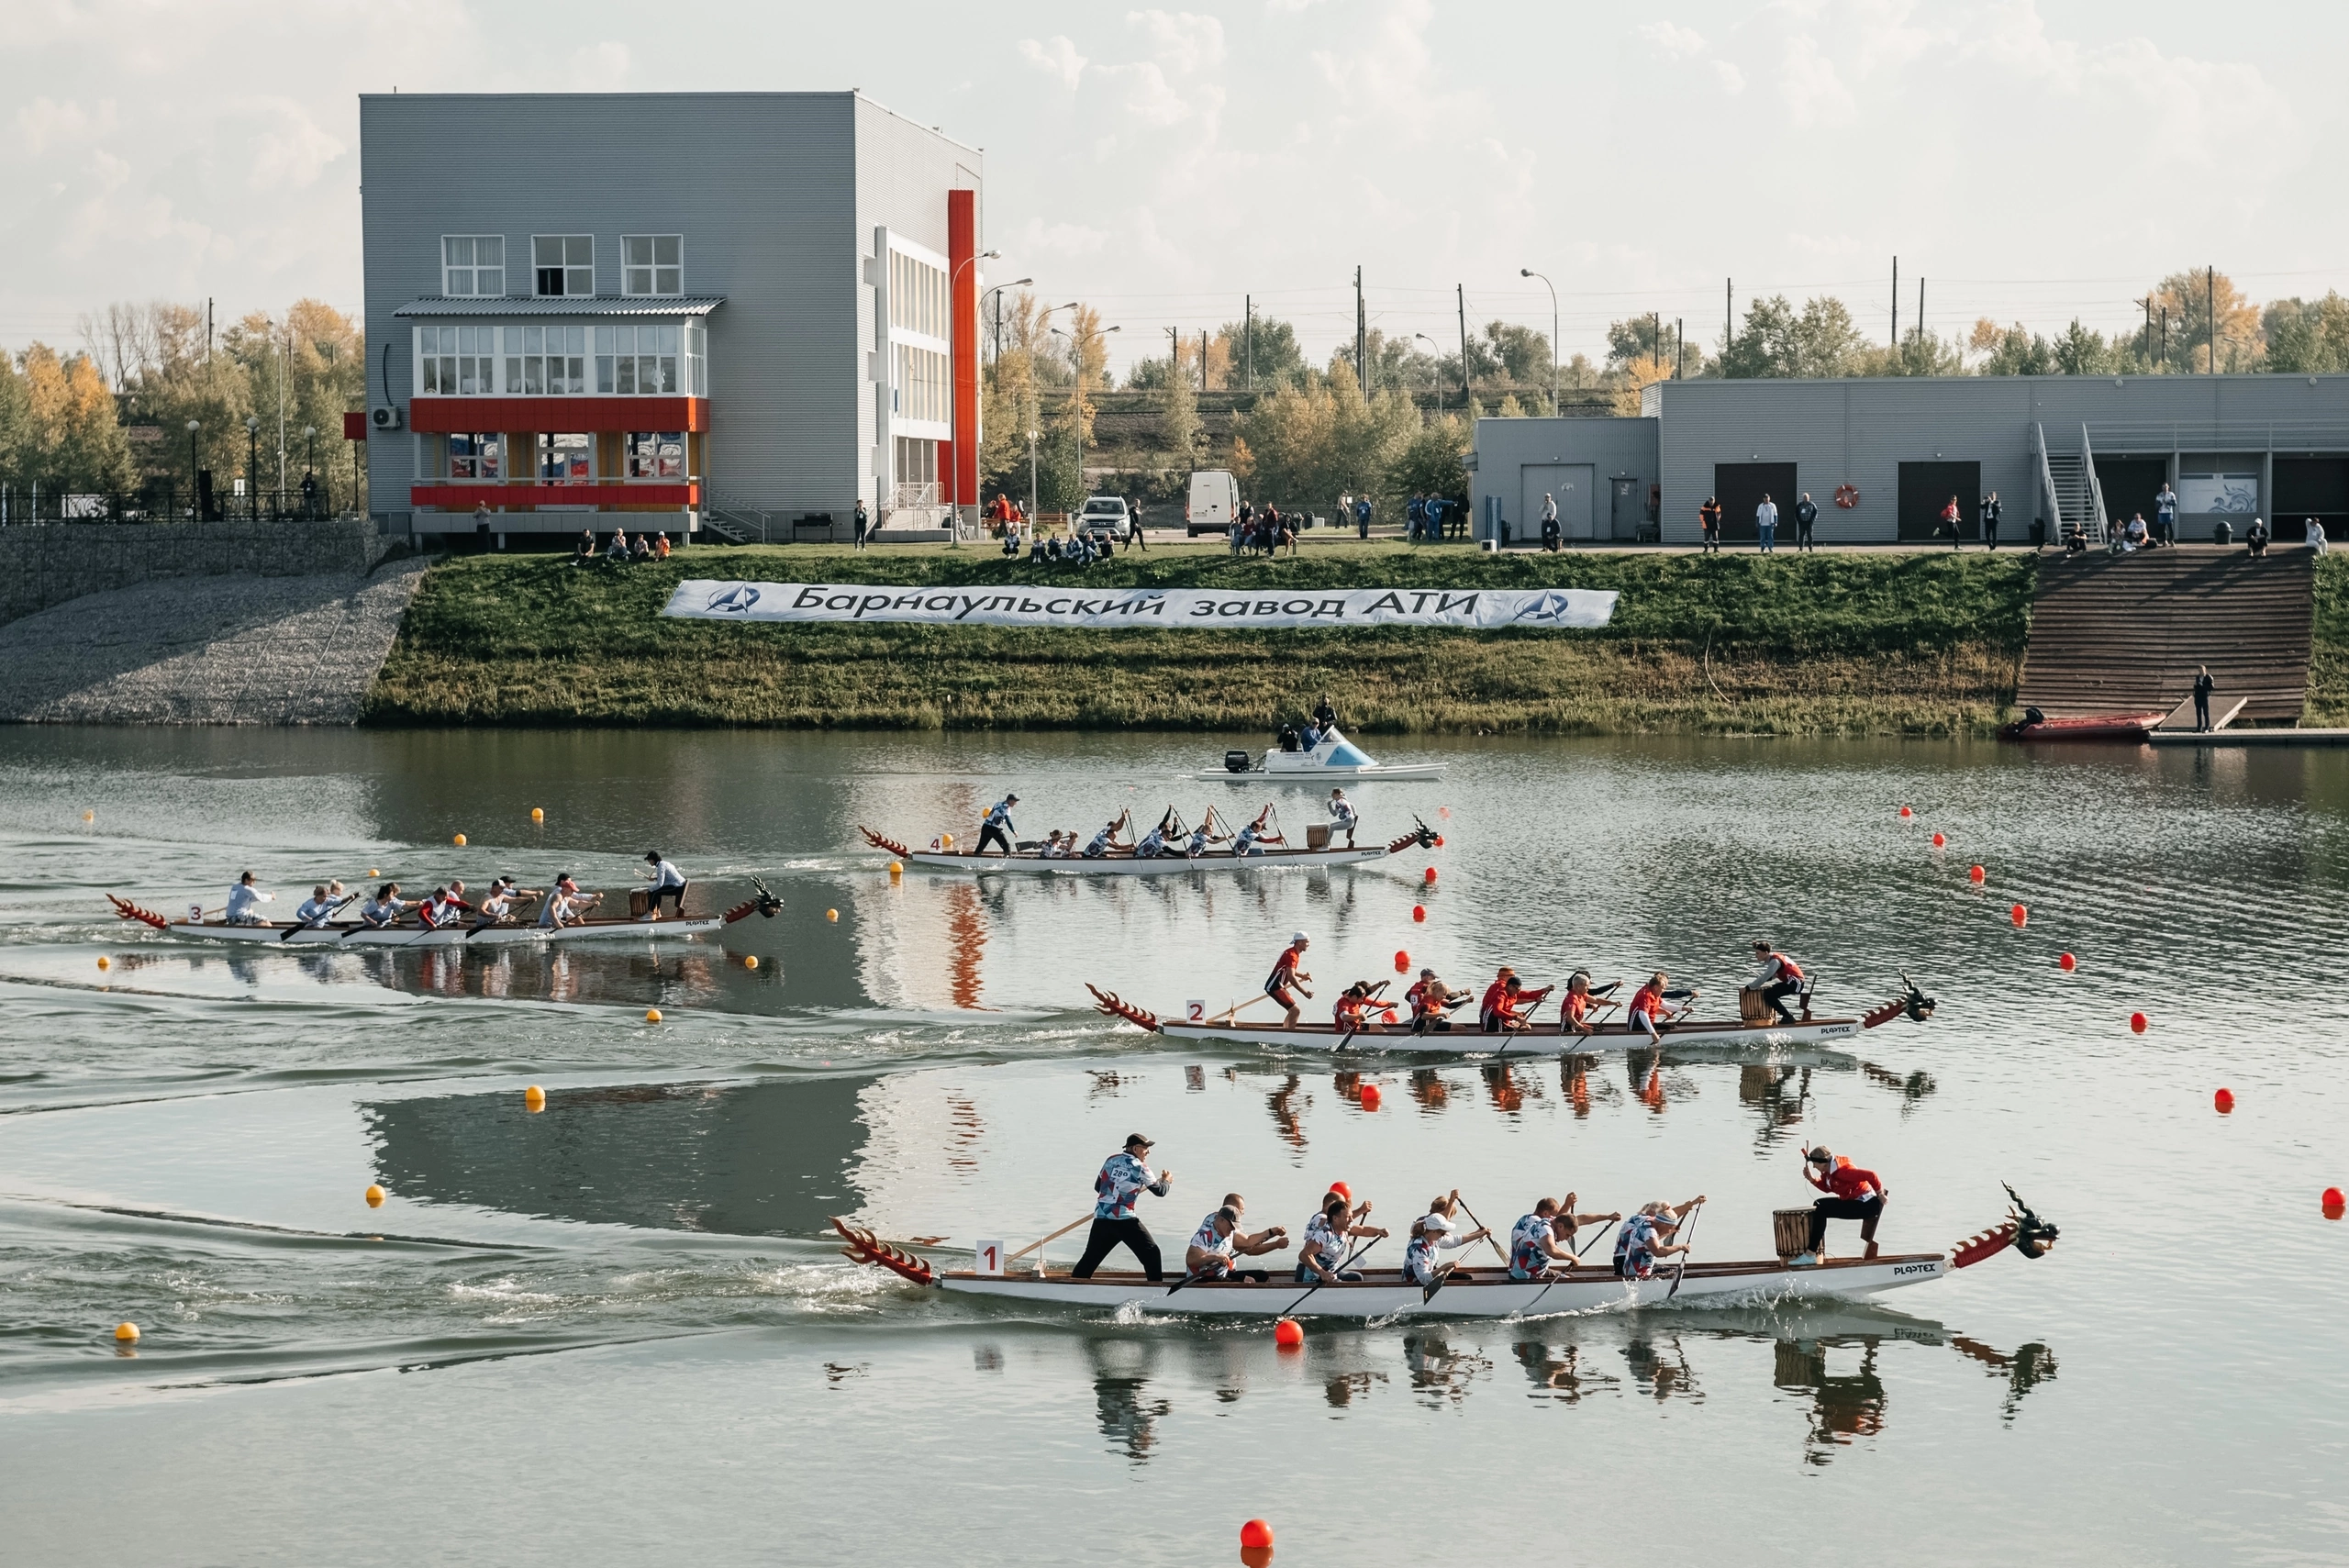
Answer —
(1847, 496)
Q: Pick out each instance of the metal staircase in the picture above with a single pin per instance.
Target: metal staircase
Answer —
(734, 521)
(2074, 499)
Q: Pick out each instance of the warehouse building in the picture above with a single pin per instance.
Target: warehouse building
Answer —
(667, 311)
(1882, 458)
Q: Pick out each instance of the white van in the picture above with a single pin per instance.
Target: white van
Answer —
(1215, 500)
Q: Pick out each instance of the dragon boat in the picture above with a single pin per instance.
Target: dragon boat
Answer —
(1758, 1024)
(1383, 1293)
(359, 934)
(1125, 862)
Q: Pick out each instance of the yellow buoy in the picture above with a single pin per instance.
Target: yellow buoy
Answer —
(832, 915)
(89, 816)
(534, 1099)
(373, 872)
(946, 840)
(895, 869)
(459, 840)
(751, 962)
(537, 814)
(651, 1015)
(104, 963)
(127, 1333)
(374, 1197)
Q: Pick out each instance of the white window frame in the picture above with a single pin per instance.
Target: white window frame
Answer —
(442, 372)
(568, 267)
(474, 269)
(655, 267)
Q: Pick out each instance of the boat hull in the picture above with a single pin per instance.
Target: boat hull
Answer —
(1398, 1037)
(2087, 726)
(1128, 865)
(1425, 772)
(344, 935)
(1491, 1293)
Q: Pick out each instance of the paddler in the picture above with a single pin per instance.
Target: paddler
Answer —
(1286, 977)
(1778, 978)
(1354, 1010)
(1851, 1194)
(1512, 1011)
(668, 882)
(997, 829)
(1326, 1235)
(1568, 1221)
(1154, 843)
(1124, 1177)
(1646, 1236)
(1106, 839)
(1218, 1240)
(1487, 1008)
(1648, 1012)
(565, 905)
(1430, 1000)
(499, 906)
(385, 908)
(245, 901)
(1343, 817)
(1432, 1233)
(1202, 836)
(1573, 1016)
(317, 907)
(1542, 1244)
(444, 908)
(1246, 841)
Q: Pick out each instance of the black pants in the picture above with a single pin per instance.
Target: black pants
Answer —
(1802, 536)
(1867, 1211)
(1991, 532)
(1777, 993)
(675, 895)
(1107, 1234)
(2201, 711)
(991, 834)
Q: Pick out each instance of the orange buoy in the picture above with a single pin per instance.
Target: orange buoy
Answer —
(897, 868)
(2333, 1199)
(1402, 962)
(1256, 1533)
(459, 840)
(89, 816)
(1419, 912)
(104, 963)
(1288, 1333)
(375, 1196)
(534, 1099)
(947, 840)
(1370, 1097)
(537, 814)
(2020, 916)
(1939, 840)
(1430, 876)
(1342, 1190)
(1905, 812)
(127, 1333)
(751, 962)
(1439, 840)
(2137, 1023)
(2223, 1102)
(1976, 873)
(2067, 962)
(651, 1015)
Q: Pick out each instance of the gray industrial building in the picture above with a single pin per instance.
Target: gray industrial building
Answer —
(658, 310)
(1881, 457)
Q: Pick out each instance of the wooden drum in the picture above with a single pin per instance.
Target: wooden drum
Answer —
(639, 902)
(1316, 836)
(1753, 1007)
(1791, 1229)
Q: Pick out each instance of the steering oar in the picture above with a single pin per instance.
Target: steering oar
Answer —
(1682, 1271)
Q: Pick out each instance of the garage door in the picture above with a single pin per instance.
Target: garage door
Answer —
(1926, 488)
(1569, 483)
(1741, 485)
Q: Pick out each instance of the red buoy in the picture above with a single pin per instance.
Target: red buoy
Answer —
(1439, 840)
(1370, 1097)
(1419, 912)
(2332, 1198)
(1975, 872)
(1431, 874)
(1939, 840)
(1905, 812)
(2067, 962)
(2020, 916)
(1402, 962)
(1342, 1190)
(2224, 1101)
(1288, 1333)
(1256, 1533)
(2136, 1023)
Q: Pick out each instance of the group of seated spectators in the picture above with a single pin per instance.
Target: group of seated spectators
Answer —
(1078, 550)
(1254, 532)
(620, 552)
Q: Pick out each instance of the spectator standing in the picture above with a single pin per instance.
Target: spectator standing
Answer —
(1361, 518)
(1414, 514)
(1766, 525)
(863, 522)
(1708, 526)
(1549, 522)
(2165, 516)
(2203, 686)
(1806, 518)
(1991, 518)
(1951, 520)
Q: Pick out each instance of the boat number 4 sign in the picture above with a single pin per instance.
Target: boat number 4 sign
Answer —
(1545, 608)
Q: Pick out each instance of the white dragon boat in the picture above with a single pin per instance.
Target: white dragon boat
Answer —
(1758, 1028)
(1383, 1293)
(1125, 862)
(1335, 760)
(357, 934)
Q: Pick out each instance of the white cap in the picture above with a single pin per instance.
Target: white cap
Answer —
(1432, 1221)
(1300, 937)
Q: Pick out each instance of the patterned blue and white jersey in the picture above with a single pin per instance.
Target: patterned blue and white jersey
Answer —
(1122, 1181)
(1323, 1242)
(1206, 1239)
(1526, 1257)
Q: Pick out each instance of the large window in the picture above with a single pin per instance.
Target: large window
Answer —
(917, 297)
(545, 362)
(455, 362)
(696, 359)
(655, 454)
(652, 263)
(473, 264)
(567, 458)
(563, 264)
(473, 456)
(921, 383)
(637, 359)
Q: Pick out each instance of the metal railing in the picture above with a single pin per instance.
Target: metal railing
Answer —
(160, 501)
(2222, 435)
(2096, 489)
(732, 517)
(2054, 511)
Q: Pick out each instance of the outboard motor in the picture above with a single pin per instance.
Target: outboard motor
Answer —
(1238, 762)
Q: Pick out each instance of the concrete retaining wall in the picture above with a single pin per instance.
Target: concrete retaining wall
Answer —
(48, 564)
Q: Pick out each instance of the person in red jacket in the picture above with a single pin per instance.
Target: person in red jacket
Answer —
(1286, 978)
(1853, 1194)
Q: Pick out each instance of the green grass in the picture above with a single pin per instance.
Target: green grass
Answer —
(2328, 703)
(1836, 643)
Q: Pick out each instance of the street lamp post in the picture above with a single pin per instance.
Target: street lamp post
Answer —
(195, 497)
(1530, 273)
(954, 389)
(1034, 507)
(310, 465)
(253, 466)
(1076, 398)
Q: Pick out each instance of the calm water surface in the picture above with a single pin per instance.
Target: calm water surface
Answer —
(614, 1333)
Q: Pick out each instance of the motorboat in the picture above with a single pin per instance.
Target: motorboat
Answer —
(1332, 759)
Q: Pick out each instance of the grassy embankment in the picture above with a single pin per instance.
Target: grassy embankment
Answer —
(1850, 643)
(2328, 703)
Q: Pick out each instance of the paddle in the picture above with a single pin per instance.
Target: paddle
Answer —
(514, 915)
(1682, 1271)
(1341, 1268)
(320, 918)
(1480, 1225)
(1053, 1237)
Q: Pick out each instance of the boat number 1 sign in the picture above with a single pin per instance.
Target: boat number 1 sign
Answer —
(990, 1258)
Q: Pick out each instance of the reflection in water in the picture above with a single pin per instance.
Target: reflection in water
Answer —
(1508, 1089)
(1428, 1088)
(1663, 1373)
(1288, 1112)
(2025, 1370)
(1344, 1388)
(1843, 1406)
(1195, 1079)
(1120, 1382)
(1557, 1372)
(966, 930)
(1440, 1374)
(1765, 1089)
(1910, 1086)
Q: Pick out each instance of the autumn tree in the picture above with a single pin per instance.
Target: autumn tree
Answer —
(2188, 298)
(1777, 340)
(69, 436)
(2308, 337)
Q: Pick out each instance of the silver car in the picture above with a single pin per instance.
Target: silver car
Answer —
(1106, 515)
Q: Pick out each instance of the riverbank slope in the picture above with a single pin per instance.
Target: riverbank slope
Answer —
(1878, 643)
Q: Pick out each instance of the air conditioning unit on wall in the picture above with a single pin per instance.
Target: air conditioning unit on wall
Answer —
(384, 418)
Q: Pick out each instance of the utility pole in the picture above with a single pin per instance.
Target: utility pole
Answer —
(1656, 336)
(2212, 284)
(1462, 290)
(1920, 312)
(1729, 311)
(2164, 337)
(1361, 339)
(1203, 358)
(1679, 348)
(1174, 353)
(1248, 316)
(2145, 344)
(1895, 301)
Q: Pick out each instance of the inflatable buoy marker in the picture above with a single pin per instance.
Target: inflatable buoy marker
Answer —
(89, 816)
(534, 1099)
(2137, 1024)
(1939, 840)
(2067, 962)
(832, 915)
(2223, 1102)
(1288, 1333)
(375, 1196)
(651, 1015)
(459, 840)
(1976, 873)
(373, 872)
(104, 963)
(947, 839)
(1905, 812)
(1342, 1190)
(1419, 912)
(1370, 1097)
(2333, 1204)
(1439, 840)
(2020, 916)
(125, 1333)
(896, 869)
(537, 814)
(751, 962)
(1402, 962)
(1257, 1534)
(1431, 875)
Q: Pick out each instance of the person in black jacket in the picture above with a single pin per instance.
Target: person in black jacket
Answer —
(1991, 518)
(1806, 515)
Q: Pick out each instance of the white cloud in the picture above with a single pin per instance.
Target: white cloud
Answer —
(1037, 238)
(1732, 80)
(599, 68)
(1812, 88)
(1673, 38)
(1183, 41)
(1056, 56)
(292, 151)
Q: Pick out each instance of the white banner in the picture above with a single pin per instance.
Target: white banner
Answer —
(1484, 609)
(2202, 493)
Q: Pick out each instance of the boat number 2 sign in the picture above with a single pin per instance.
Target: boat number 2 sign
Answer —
(990, 1258)
(1195, 1012)
(1541, 609)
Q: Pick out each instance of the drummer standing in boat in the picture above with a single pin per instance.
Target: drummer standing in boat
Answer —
(997, 829)
(668, 882)
(1778, 978)
(1343, 817)
(1288, 979)
(1124, 1177)
(1851, 1194)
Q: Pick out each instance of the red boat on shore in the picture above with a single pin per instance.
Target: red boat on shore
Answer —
(2037, 725)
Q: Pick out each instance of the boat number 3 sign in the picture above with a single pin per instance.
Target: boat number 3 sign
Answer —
(700, 599)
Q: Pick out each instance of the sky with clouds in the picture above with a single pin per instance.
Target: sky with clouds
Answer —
(2032, 160)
